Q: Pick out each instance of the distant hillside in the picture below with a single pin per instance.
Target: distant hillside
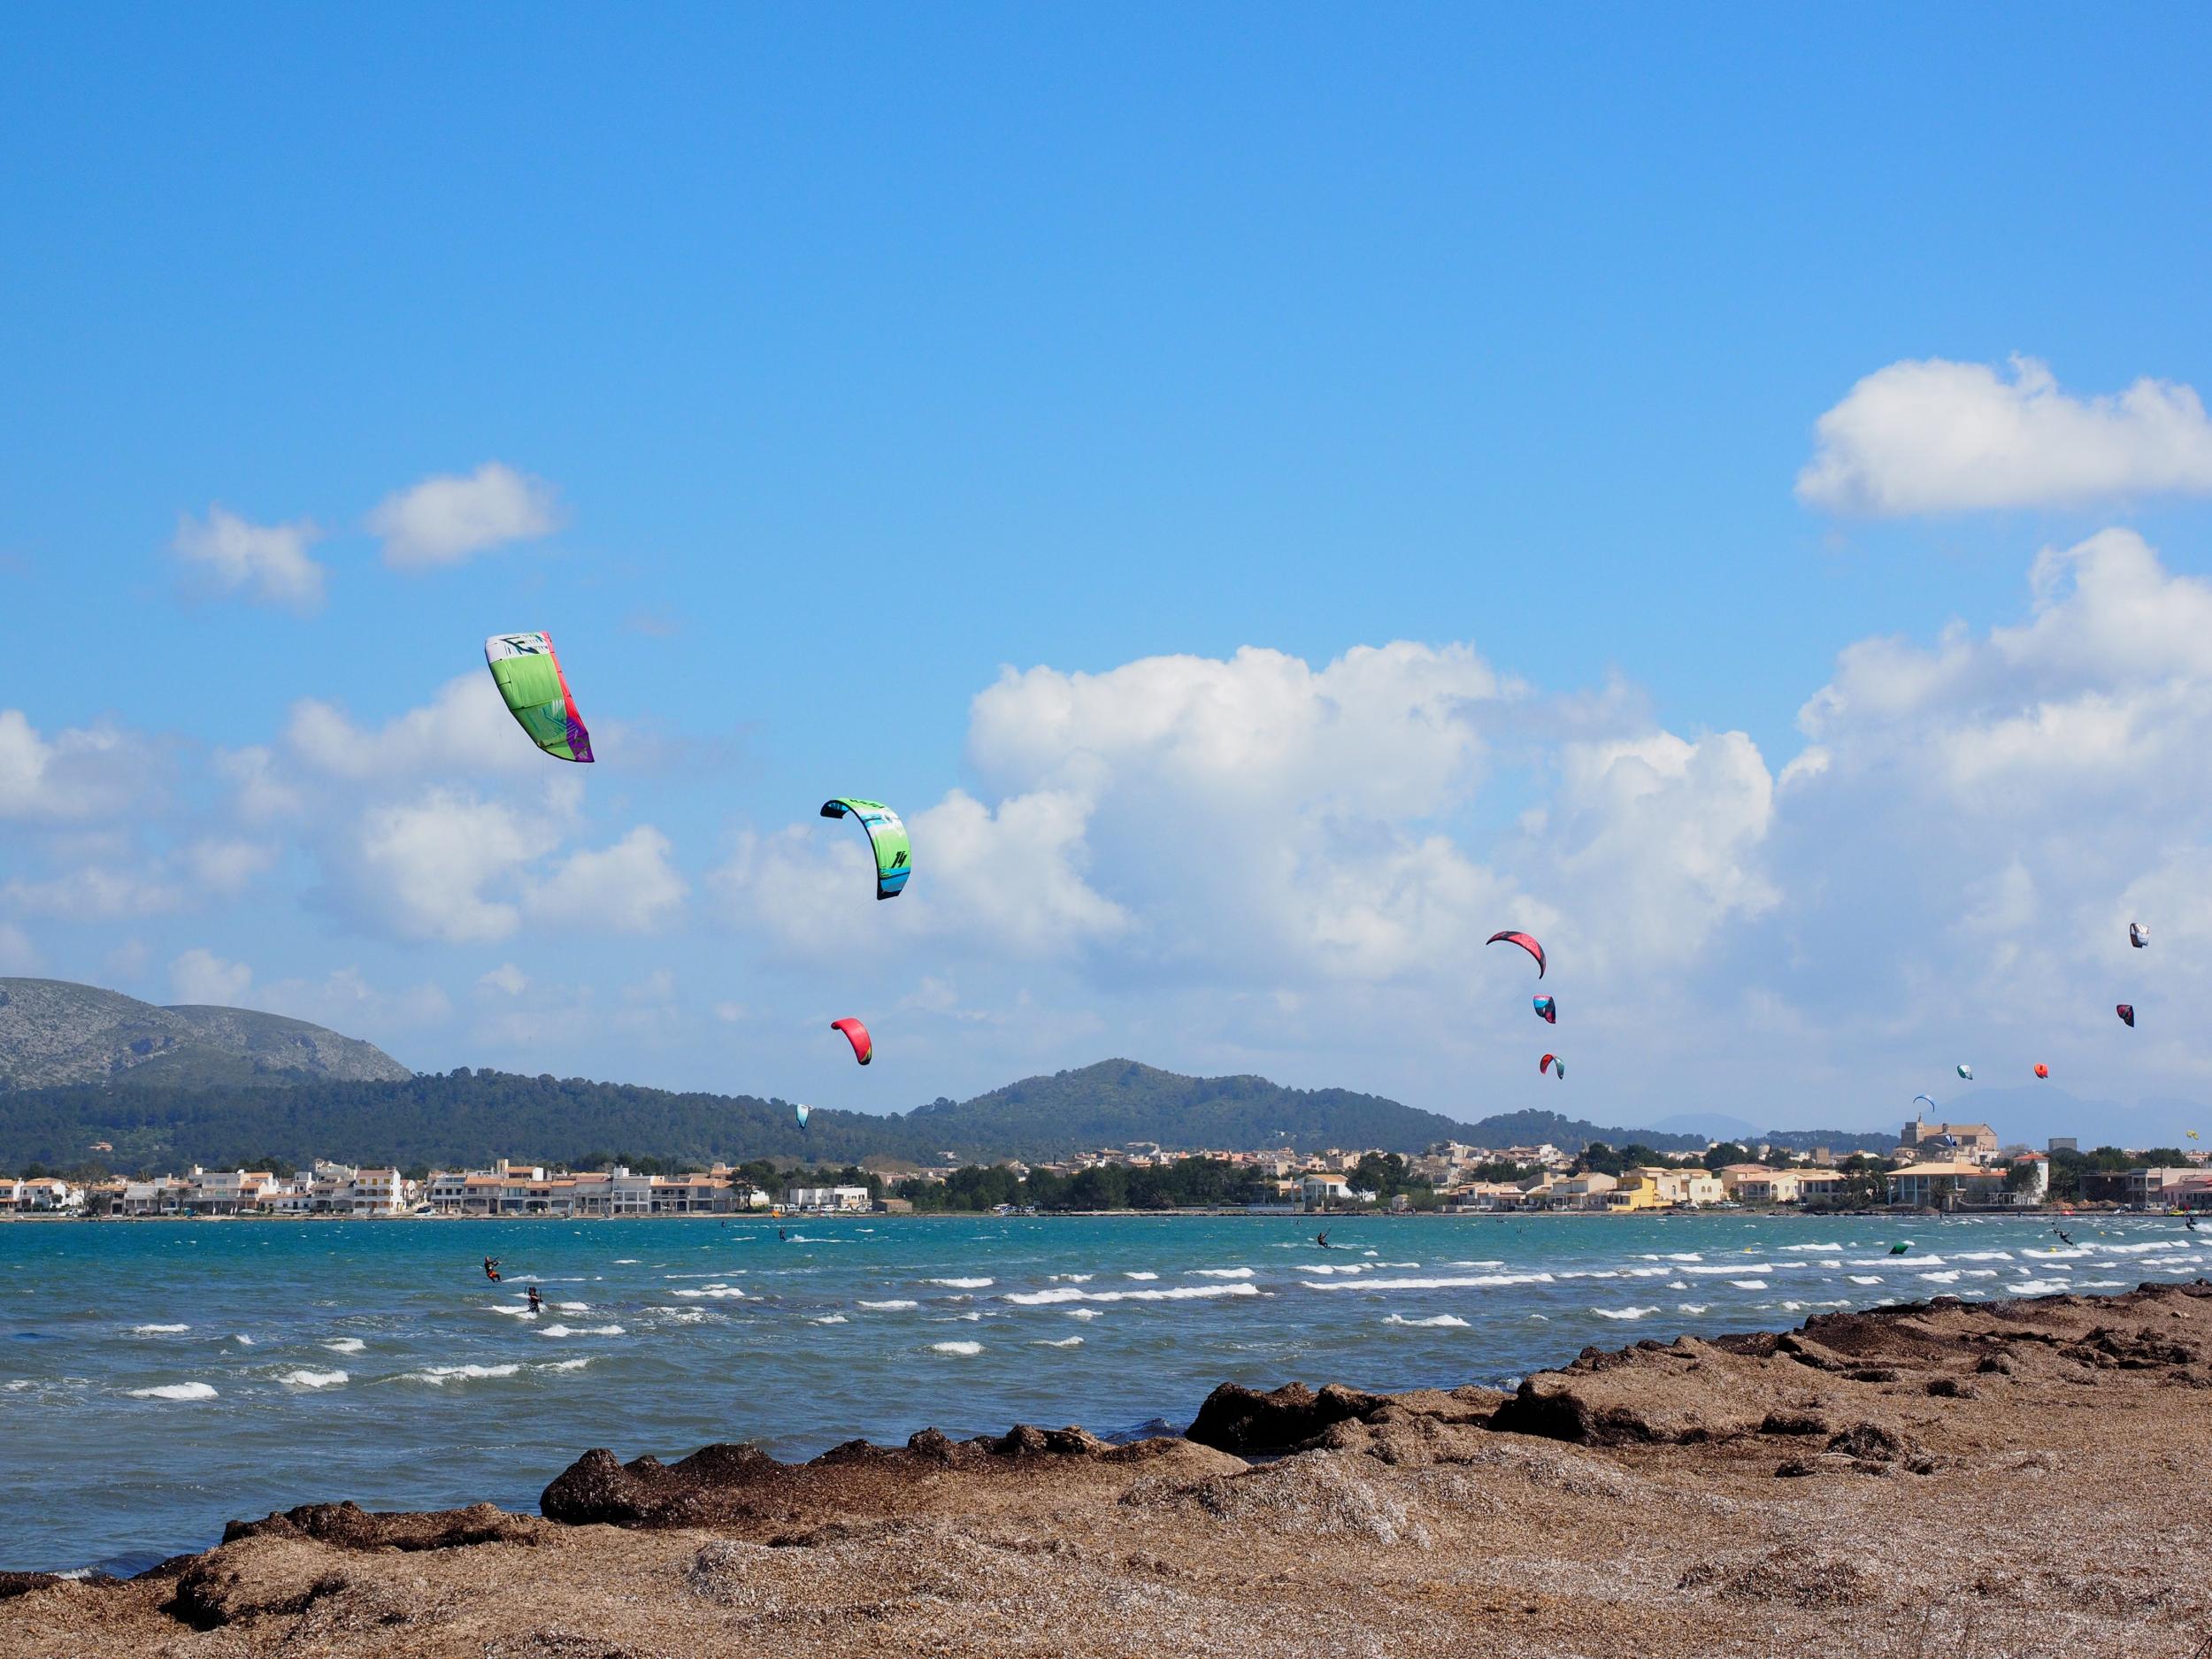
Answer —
(55, 1034)
(471, 1117)
(1119, 1101)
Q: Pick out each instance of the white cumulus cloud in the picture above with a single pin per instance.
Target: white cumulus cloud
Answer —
(423, 867)
(266, 563)
(464, 729)
(1937, 436)
(631, 886)
(82, 773)
(201, 977)
(445, 519)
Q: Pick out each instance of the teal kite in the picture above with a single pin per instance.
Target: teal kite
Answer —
(886, 833)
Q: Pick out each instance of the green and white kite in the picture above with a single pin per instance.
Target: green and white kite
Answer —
(530, 679)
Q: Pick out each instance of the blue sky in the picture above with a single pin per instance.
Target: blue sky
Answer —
(858, 354)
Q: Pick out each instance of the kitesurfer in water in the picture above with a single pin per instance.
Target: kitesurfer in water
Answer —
(2064, 1236)
(537, 1306)
(1321, 1239)
(783, 1236)
(491, 1268)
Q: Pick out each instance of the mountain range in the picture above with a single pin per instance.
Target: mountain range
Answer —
(53, 1033)
(170, 1086)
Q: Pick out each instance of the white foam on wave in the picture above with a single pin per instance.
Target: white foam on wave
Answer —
(1057, 1342)
(1179, 1293)
(1748, 1284)
(1439, 1321)
(581, 1329)
(1677, 1284)
(303, 1378)
(438, 1376)
(717, 1292)
(1222, 1272)
(1692, 1307)
(1074, 1278)
(961, 1283)
(1984, 1256)
(1810, 1247)
(625, 1261)
(1865, 1279)
(242, 1340)
(159, 1330)
(1496, 1263)
(2038, 1287)
(1624, 1313)
(1948, 1276)
(1734, 1267)
(1085, 1313)
(564, 1364)
(520, 1309)
(1140, 1276)
(572, 1307)
(1981, 1272)
(1462, 1281)
(831, 1319)
(175, 1391)
(1333, 1267)
(683, 1316)
(896, 1302)
(956, 1347)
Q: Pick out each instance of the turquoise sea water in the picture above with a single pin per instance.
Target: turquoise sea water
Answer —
(159, 1379)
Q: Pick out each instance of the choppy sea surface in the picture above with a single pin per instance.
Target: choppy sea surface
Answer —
(159, 1379)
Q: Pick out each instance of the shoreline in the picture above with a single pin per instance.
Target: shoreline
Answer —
(1780, 1212)
(1923, 1470)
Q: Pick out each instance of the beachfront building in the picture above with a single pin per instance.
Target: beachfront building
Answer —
(1484, 1195)
(46, 1195)
(1756, 1183)
(2191, 1192)
(841, 1199)
(376, 1193)
(1821, 1186)
(1665, 1186)
(1587, 1190)
(1322, 1188)
(1945, 1183)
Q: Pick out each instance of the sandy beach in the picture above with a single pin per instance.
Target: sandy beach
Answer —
(2013, 1478)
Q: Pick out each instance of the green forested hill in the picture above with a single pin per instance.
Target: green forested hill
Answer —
(471, 1117)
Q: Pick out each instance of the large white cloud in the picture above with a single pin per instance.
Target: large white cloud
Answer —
(1982, 815)
(629, 887)
(84, 773)
(445, 519)
(463, 730)
(1938, 436)
(199, 977)
(268, 562)
(441, 866)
